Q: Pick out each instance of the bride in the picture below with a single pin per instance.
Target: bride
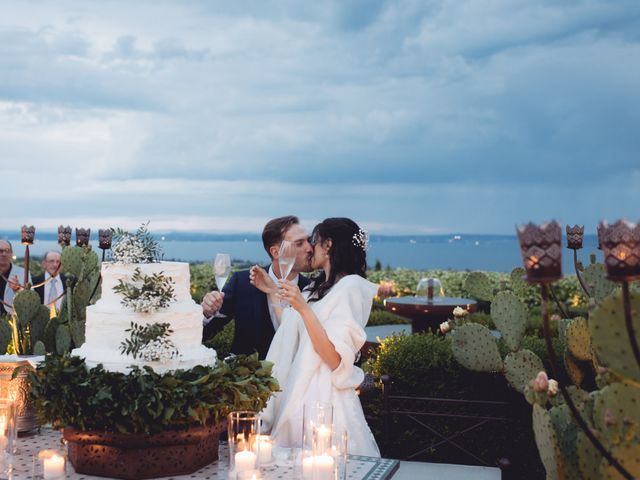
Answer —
(315, 347)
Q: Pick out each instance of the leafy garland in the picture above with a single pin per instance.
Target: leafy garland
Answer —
(139, 247)
(67, 393)
(150, 342)
(147, 293)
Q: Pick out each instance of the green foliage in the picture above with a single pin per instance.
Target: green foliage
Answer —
(520, 367)
(139, 247)
(66, 393)
(382, 317)
(141, 336)
(146, 293)
(222, 341)
(202, 280)
(479, 286)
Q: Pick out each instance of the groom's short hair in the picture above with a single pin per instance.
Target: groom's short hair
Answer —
(274, 231)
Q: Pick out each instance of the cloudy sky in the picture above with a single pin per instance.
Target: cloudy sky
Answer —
(409, 116)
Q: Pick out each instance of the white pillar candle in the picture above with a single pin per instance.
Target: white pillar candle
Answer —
(245, 460)
(323, 439)
(263, 443)
(319, 467)
(54, 467)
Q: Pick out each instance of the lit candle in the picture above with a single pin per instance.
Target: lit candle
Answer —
(317, 468)
(245, 460)
(54, 467)
(263, 442)
(323, 439)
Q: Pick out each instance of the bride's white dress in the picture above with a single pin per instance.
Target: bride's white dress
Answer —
(305, 378)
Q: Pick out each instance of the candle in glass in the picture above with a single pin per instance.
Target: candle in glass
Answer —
(262, 446)
(245, 460)
(323, 439)
(54, 467)
(319, 467)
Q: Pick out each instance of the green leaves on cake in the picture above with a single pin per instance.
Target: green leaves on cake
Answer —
(150, 342)
(139, 247)
(146, 293)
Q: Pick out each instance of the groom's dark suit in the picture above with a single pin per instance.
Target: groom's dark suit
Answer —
(248, 306)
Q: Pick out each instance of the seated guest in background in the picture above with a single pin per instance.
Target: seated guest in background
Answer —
(11, 277)
(50, 291)
(255, 320)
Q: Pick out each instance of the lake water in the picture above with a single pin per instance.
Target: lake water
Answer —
(465, 252)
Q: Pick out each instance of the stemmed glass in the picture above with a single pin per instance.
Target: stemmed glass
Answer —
(222, 269)
(286, 259)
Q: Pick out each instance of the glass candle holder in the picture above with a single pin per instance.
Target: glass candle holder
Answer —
(243, 430)
(263, 447)
(314, 416)
(329, 463)
(49, 465)
(8, 431)
(339, 452)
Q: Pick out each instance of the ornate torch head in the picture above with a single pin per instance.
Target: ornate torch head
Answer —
(621, 247)
(104, 238)
(28, 234)
(64, 236)
(541, 251)
(82, 236)
(575, 236)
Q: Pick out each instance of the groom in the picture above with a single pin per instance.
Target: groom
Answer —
(255, 320)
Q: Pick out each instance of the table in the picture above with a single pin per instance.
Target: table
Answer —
(358, 467)
(426, 315)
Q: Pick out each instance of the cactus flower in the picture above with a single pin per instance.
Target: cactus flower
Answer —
(460, 312)
(541, 382)
(445, 327)
(553, 387)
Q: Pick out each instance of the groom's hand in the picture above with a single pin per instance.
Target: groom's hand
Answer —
(212, 303)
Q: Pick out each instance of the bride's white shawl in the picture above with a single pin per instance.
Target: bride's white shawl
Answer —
(302, 374)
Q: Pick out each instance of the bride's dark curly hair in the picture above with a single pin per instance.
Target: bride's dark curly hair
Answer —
(347, 255)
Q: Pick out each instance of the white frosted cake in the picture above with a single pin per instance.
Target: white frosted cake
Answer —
(108, 320)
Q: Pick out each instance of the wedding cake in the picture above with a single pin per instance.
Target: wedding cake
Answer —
(145, 316)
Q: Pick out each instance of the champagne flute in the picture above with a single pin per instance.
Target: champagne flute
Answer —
(286, 260)
(222, 269)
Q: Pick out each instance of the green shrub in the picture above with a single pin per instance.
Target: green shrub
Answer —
(222, 341)
(382, 317)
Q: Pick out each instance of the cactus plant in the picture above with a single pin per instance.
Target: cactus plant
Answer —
(478, 285)
(597, 284)
(547, 442)
(28, 321)
(510, 315)
(520, 367)
(475, 348)
(578, 339)
(606, 324)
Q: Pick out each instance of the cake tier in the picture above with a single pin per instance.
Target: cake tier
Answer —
(112, 273)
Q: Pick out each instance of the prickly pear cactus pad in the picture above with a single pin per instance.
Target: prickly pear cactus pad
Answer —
(475, 348)
(547, 443)
(566, 434)
(609, 335)
(616, 412)
(521, 367)
(510, 315)
(573, 369)
(519, 285)
(479, 286)
(589, 458)
(578, 339)
(629, 458)
(597, 283)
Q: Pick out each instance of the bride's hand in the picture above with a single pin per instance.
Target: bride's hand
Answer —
(290, 293)
(260, 279)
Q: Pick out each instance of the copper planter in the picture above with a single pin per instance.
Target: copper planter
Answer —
(18, 390)
(136, 456)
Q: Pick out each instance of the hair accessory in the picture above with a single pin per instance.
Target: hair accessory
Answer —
(361, 239)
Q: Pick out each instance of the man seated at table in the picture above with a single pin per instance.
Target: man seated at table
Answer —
(50, 292)
(11, 277)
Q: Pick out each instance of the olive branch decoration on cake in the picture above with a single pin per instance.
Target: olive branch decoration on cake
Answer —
(146, 293)
(150, 342)
(139, 247)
